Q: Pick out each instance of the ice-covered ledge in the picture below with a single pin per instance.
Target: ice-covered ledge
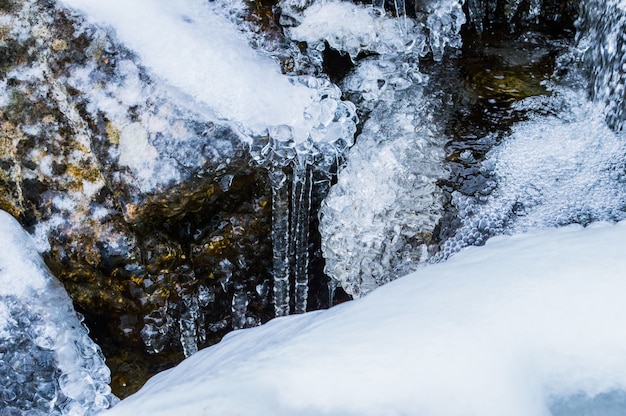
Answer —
(525, 325)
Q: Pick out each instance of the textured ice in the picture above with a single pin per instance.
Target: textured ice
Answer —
(208, 61)
(527, 325)
(377, 221)
(378, 78)
(353, 28)
(444, 21)
(551, 171)
(48, 363)
(601, 28)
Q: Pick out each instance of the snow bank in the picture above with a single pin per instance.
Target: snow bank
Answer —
(525, 325)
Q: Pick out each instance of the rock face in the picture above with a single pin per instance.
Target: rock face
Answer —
(150, 213)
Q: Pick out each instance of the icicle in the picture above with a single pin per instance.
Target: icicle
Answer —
(280, 239)
(332, 287)
(300, 218)
(239, 308)
(188, 329)
(401, 14)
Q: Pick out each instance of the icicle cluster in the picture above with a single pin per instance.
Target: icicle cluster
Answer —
(517, 13)
(48, 363)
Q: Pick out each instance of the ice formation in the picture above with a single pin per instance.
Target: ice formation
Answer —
(527, 325)
(353, 28)
(377, 221)
(551, 171)
(48, 363)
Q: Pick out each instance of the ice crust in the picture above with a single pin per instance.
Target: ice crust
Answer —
(353, 28)
(377, 221)
(48, 363)
(552, 170)
(527, 325)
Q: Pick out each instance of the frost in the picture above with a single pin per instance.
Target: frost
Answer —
(135, 150)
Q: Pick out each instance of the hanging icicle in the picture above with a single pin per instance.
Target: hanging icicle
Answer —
(300, 218)
(280, 239)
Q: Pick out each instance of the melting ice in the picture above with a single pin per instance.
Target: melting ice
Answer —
(48, 363)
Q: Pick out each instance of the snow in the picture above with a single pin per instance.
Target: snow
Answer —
(135, 149)
(529, 324)
(193, 49)
(19, 273)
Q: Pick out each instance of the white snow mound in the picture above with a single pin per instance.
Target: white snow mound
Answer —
(526, 325)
